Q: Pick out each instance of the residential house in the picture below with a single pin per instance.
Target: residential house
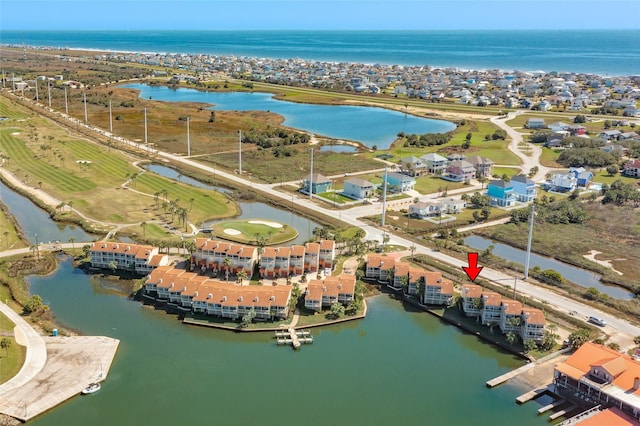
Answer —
(422, 210)
(524, 188)
(274, 262)
(533, 323)
(597, 375)
(452, 205)
(583, 176)
(312, 257)
(491, 308)
(562, 182)
(472, 300)
(510, 316)
(609, 135)
(483, 166)
(380, 267)
(435, 164)
(398, 182)
(559, 126)
(326, 254)
(631, 168)
(319, 184)
(140, 259)
(437, 290)
(336, 289)
(501, 193)
(536, 123)
(413, 166)
(628, 136)
(296, 260)
(614, 148)
(407, 276)
(212, 254)
(358, 188)
(459, 171)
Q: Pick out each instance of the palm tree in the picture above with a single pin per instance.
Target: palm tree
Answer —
(242, 275)
(72, 240)
(156, 198)
(70, 204)
(191, 200)
(143, 225)
(113, 265)
(227, 262)
(5, 343)
(412, 249)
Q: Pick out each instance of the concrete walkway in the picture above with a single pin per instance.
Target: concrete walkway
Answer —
(36, 352)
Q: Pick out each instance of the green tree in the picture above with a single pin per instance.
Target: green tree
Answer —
(613, 169)
(248, 317)
(579, 337)
(337, 310)
(242, 275)
(113, 265)
(72, 240)
(529, 345)
(636, 340)
(511, 338)
(33, 304)
(533, 171)
(614, 346)
(5, 343)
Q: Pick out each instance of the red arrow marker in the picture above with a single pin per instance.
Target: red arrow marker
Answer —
(472, 270)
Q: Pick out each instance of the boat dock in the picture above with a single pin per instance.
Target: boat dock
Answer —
(293, 337)
(510, 375)
(532, 394)
(551, 406)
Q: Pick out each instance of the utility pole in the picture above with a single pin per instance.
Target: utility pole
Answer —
(49, 91)
(37, 95)
(188, 139)
(310, 188)
(240, 152)
(84, 96)
(66, 104)
(384, 204)
(145, 127)
(110, 118)
(526, 264)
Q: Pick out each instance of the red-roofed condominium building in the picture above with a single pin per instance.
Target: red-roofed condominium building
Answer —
(126, 257)
(333, 289)
(598, 375)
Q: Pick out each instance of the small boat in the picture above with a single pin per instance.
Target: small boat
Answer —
(92, 388)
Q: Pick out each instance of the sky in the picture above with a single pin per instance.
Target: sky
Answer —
(318, 15)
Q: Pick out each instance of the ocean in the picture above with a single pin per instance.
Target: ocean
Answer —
(603, 52)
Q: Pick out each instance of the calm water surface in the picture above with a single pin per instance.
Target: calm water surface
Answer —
(395, 367)
(367, 125)
(579, 276)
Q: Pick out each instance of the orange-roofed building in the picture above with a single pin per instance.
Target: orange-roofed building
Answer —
(491, 308)
(533, 323)
(437, 290)
(379, 267)
(140, 259)
(472, 300)
(609, 417)
(333, 289)
(160, 281)
(511, 316)
(598, 375)
(311, 257)
(327, 254)
(211, 254)
(407, 275)
(296, 260)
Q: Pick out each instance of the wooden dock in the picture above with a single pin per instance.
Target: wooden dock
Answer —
(562, 412)
(531, 395)
(293, 337)
(510, 375)
(551, 406)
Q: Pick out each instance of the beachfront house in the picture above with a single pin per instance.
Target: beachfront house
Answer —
(398, 182)
(562, 182)
(319, 184)
(413, 166)
(358, 188)
(597, 375)
(483, 166)
(435, 164)
(324, 293)
(380, 268)
(472, 300)
(423, 210)
(524, 188)
(491, 308)
(459, 171)
(501, 193)
(406, 277)
(452, 205)
(510, 316)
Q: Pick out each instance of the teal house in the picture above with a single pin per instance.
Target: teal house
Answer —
(501, 193)
(319, 184)
(398, 182)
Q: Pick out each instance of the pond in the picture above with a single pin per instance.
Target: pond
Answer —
(346, 149)
(367, 125)
(576, 275)
(36, 223)
(249, 210)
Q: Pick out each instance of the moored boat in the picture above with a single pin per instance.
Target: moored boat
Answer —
(92, 388)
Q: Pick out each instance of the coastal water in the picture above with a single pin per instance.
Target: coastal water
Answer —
(368, 125)
(36, 223)
(397, 366)
(579, 276)
(249, 210)
(604, 52)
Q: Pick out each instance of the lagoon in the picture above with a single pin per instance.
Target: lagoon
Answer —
(397, 366)
(367, 125)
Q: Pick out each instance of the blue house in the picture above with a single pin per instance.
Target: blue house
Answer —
(524, 188)
(501, 193)
(398, 182)
(319, 184)
(583, 176)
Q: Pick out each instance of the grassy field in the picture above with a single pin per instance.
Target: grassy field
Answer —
(505, 171)
(12, 359)
(435, 184)
(335, 197)
(549, 157)
(601, 176)
(251, 232)
(9, 238)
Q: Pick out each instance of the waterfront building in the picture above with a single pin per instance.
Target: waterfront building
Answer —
(211, 254)
(311, 257)
(510, 316)
(408, 276)
(319, 184)
(380, 268)
(491, 308)
(472, 300)
(413, 166)
(275, 262)
(459, 171)
(533, 323)
(327, 254)
(436, 164)
(562, 182)
(201, 294)
(483, 166)
(333, 289)
(140, 259)
(598, 375)
(437, 290)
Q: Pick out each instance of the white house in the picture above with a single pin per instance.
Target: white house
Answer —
(358, 188)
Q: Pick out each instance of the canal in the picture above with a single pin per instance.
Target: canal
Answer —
(367, 125)
(397, 366)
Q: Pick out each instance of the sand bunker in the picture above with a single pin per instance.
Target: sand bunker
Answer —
(264, 222)
(15, 134)
(230, 231)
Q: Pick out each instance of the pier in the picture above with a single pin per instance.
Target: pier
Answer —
(293, 337)
(532, 394)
